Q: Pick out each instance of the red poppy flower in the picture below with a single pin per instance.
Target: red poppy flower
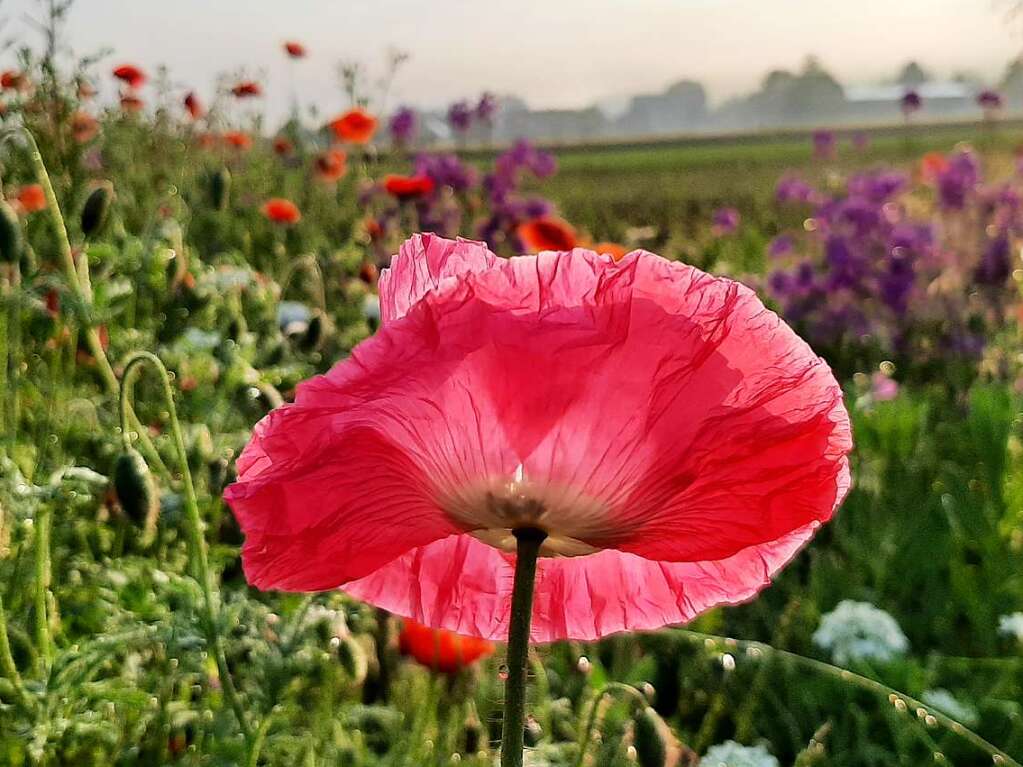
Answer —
(247, 89)
(546, 233)
(282, 211)
(193, 106)
(613, 249)
(31, 198)
(283, 146)
(355, 126)
(368, 272)
(130, 74)
(331, 165)
(84, 127)
(932, 165)
(407, 187)
(674, 439)
(131, 103)
(238, 139)
(295, 49)
(441, 650)
(13, 80)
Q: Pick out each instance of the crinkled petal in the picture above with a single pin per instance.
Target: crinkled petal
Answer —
(465, 586)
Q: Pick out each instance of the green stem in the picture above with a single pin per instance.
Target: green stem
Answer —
(527, 551)
(7, 665)
(863, 682)
(196, 535)
(43, 522)
(591, 720)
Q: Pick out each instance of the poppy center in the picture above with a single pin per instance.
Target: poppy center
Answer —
(494, 509)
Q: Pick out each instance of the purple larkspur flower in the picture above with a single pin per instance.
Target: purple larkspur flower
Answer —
(781, 246)
(791, 188)
(995, 262)
(486, 107)
(989, 100)
(911, 102)
(726, 221)
(403, 126)
(959, 180)
(446, 170)
(460, 116)
(823, 144)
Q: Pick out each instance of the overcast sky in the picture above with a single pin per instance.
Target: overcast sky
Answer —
(553, 53)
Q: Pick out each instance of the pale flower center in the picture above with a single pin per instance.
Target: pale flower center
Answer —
(493, 508)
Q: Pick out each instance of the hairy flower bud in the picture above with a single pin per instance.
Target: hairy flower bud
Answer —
(136, 491)
(10, 235)
(96, 210)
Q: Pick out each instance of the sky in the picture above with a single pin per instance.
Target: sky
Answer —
(552, 53)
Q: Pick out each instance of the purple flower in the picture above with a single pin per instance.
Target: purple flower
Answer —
(958, 181)
(883, 388)
(989, 100)
(995, 262)
(791, 188)
(823, 144)
(486, 108)
(781, 246)
(726, 221)
(447, 170)
(460, 116)
(403, 126)
(911, 102)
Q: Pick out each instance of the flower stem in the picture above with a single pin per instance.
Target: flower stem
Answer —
(7, 665)
(200, 557)
(43, 521)
(528, 549)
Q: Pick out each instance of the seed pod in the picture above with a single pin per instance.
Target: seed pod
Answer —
(10, 235)
(353, 659)
(136, 491)
(652, 739)
(220, 188)
(96, 210)
(533, 732)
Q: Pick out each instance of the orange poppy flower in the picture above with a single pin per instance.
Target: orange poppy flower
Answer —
(368, 272)
(283, 146)
(441, 650)
(130, 74)
(295, 49)
(355, 126)
(407, 187)
(84, 127)
(331, 165)
(131, 103)
(238, 140)
(13, 80)
(31, 197)
(613, 249)
(932, 165)
(193, 106)
(247, 89)
(282, 211)
(547, 233)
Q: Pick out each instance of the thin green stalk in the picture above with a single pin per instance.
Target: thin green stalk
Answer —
(13, 341)
(211, 602)
(43, 521)
(591, 720)
(527, 551)
(894, 696)
(7, 665)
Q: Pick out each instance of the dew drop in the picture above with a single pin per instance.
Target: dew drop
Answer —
(583, 664)
(939, 757)
(502, 672)
(632, 754)
(900, 705)
(998, 759)
(930, 721)
(335, 642)
(728, 662)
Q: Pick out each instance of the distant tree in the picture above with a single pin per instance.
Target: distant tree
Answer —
(912, 75)
(1012, 81)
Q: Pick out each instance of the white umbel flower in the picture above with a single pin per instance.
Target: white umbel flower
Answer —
(859, 631)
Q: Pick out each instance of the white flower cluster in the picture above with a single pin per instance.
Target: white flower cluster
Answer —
(1011, 626)
(859, 631)
(732, 754)
(949, 705)
(195, 339)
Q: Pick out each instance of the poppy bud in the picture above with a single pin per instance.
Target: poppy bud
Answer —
(651, 738)
(96, 210)
(10, 235)
(473, 733)
(353, 659)
(220, 188)
(533, 732)
(316, 331)
(136, 490)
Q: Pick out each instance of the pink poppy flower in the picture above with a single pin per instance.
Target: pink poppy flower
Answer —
(674, 439)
